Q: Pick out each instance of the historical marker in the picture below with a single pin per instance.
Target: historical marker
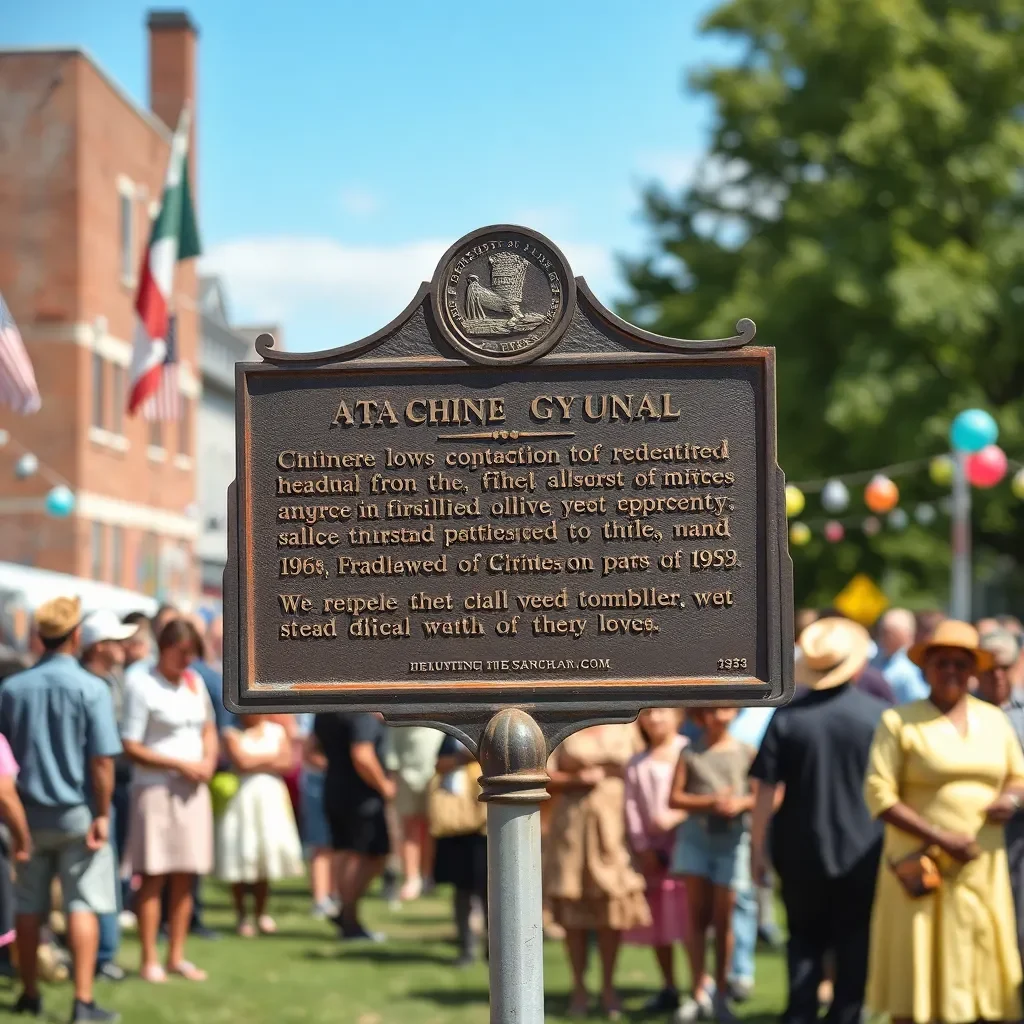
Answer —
(508, 496)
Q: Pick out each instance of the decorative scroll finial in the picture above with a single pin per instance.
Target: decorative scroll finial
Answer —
(265, 345)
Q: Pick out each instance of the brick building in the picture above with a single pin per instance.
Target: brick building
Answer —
(81, 173)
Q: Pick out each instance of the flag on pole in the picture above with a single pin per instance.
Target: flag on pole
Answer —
(165, 403)
(18, 387)
(173, 237)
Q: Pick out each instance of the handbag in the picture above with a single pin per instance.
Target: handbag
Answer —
(453, 807)
(918, 872)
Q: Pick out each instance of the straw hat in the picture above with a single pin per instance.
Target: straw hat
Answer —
(58, 618)
(953, 633)
(831, 652)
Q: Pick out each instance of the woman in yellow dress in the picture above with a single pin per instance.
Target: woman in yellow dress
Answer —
(944, 774)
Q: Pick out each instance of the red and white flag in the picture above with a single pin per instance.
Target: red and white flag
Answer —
(173, 237)
(18, 387)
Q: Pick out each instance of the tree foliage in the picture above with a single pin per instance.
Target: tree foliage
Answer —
(861, 200)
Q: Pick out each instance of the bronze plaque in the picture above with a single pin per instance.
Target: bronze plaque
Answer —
(508, 496)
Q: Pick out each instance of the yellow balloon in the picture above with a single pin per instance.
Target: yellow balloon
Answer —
(1017, 484)
(940, 469)
(794, 501)
(799, 534)
(223, 786)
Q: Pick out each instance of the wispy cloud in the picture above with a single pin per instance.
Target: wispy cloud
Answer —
(358, 202)
(358, 288)
(673, 169)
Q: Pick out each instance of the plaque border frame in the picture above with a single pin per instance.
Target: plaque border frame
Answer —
(560, 706)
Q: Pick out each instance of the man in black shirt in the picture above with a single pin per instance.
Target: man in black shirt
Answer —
(356, 788)
(825, 846)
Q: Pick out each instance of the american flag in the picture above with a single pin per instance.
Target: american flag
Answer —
(165, 402)
(18, 387)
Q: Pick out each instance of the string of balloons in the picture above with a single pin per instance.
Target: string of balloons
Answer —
(973, 437)
(60, 499)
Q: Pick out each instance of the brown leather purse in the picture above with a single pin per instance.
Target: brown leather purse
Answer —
(918, 872)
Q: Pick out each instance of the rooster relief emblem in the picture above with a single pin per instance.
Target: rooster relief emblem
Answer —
(498, 309)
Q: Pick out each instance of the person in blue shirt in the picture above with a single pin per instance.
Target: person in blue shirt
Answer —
(60, 723)
(896, 633)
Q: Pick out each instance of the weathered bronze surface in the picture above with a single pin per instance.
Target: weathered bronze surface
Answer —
(508, 496)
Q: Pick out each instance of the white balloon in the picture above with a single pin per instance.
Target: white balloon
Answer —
(26, 466)
(898, 519)
(835, 496)
(925, 514)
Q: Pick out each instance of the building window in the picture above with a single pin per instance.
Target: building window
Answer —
(116, 555)
(185, 427)
(99, 534)
(118, 396)
(127, 236)
(99, 409)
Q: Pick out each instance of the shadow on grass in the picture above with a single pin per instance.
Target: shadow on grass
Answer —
(452, 997)
(379, 955)
(556, 1005)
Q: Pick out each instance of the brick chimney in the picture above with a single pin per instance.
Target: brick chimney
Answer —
(172, 70)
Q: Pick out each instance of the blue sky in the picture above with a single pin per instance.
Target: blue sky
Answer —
(343, 146)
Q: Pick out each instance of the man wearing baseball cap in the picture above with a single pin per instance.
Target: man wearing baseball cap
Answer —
(103, 654)
(59, 721)
(996, 687)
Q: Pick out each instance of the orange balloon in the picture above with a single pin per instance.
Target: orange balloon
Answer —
(881, 495)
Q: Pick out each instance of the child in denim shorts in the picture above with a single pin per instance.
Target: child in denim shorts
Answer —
(712, 851)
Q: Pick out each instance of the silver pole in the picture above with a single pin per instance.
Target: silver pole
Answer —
(960, 542)
(515, 926)
(513, 756)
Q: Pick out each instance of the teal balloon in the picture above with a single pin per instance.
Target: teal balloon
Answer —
(972, 430)
(60, 502)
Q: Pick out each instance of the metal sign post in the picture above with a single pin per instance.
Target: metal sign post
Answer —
(960, 542)
(513, 755)
(508, 514)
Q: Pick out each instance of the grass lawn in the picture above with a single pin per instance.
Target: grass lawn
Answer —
(304, 974)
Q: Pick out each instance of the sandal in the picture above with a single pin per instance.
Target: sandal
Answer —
(188, 971)
(266, 924)
(412, 889)
(153, 973)
(579, 1005)
(245, 930)
(611, 1007)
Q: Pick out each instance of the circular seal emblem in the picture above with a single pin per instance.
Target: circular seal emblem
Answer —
(503, 294)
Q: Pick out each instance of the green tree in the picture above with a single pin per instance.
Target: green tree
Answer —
(861, 200)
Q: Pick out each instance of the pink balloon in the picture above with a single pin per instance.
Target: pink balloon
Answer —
(834, 532)
(985, 468)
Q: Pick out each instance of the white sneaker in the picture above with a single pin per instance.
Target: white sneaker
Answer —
(325, 910)
(696, 1006)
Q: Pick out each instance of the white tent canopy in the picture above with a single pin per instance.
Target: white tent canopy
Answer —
(23, 589)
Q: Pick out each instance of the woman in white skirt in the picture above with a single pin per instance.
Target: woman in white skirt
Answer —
(168, 732)
(257, 838)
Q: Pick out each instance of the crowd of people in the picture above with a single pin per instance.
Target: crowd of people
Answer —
(885, 804)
